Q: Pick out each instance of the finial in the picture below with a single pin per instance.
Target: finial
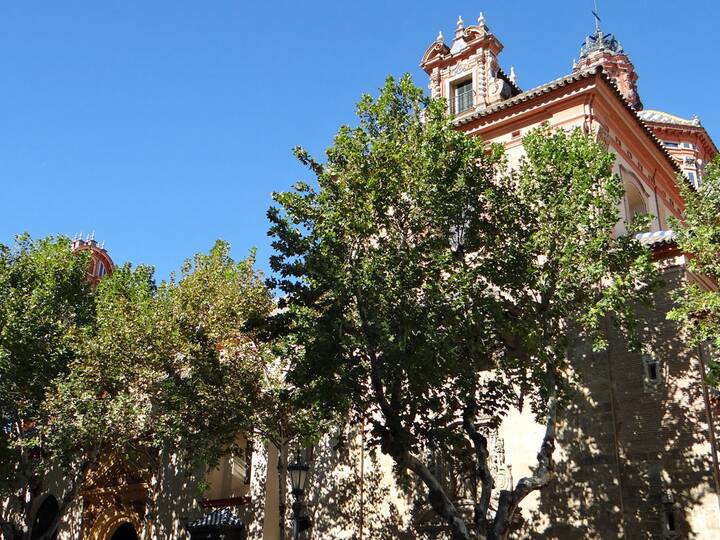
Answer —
(459, 31)
(574, 64)
(513, 75)
(440, 38)
(696, 119)
(482, 25)
(595, 13)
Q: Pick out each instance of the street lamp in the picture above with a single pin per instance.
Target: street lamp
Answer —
(298, 471)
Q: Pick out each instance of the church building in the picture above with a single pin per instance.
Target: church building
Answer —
(636, 454)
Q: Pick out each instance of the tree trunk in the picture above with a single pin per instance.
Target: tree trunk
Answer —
(482, 455)
(439, 500)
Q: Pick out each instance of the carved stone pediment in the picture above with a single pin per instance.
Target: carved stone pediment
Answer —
(113, 472)
(434, 52)
(473, 33)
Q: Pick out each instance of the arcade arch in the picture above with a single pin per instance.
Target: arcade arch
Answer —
(115, 524)
(125, 531)
(46, 520)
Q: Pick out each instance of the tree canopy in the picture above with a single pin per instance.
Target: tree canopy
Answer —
(46, 303)
(130, 369)
(166, 365)
(698, 235)
(428, 287)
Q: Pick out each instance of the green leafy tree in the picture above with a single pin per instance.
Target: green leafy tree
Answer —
(426, 283)
(163, 369)
(46, 306)
(698, 235)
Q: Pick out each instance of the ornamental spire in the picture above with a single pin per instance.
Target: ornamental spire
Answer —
(598, 30)
(460, 28)
(599, 41)
(459, 40)
(601, 49)
(482, 23)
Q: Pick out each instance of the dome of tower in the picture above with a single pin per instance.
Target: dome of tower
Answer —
(600, 42)
(601, 49)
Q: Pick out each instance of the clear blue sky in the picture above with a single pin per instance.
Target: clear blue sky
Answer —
(163, 125)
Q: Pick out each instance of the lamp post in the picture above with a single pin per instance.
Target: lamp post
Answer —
(298, 471)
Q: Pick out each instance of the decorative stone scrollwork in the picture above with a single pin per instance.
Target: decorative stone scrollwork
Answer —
(435, 79)
(501, 471)
(498, 89)
(460, 67)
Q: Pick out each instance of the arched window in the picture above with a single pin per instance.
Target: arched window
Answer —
(636, 198)
(635, 201)
(46, 520)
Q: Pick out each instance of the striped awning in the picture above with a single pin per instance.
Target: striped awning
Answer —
(656, 238)
(221, 518)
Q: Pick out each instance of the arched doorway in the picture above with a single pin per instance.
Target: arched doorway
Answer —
(46, 520)
(126, 531)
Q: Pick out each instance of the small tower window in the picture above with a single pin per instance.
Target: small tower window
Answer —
(651, 367)
(100, 269)
(669, 515)
(462, 97)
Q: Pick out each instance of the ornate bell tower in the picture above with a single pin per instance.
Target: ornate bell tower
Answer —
(468, 74)
(100, 262)
(604, 50)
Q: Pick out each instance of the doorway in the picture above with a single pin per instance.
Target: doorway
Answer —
(126, 531)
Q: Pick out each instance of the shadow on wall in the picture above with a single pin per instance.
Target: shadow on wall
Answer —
(339, 500)
(633, 457)
(253, 513)
(176, 499)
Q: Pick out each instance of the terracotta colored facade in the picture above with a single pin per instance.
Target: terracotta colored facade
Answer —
(101, 264)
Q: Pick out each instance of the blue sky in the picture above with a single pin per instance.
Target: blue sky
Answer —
(163, 125)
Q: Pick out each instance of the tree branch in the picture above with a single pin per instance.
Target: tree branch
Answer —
(438, 499)
(510, 500)
(487, 483)
(394, 442)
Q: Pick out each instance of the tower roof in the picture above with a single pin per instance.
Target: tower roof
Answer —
(600, 42)
(667, 118)
(601, 49)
